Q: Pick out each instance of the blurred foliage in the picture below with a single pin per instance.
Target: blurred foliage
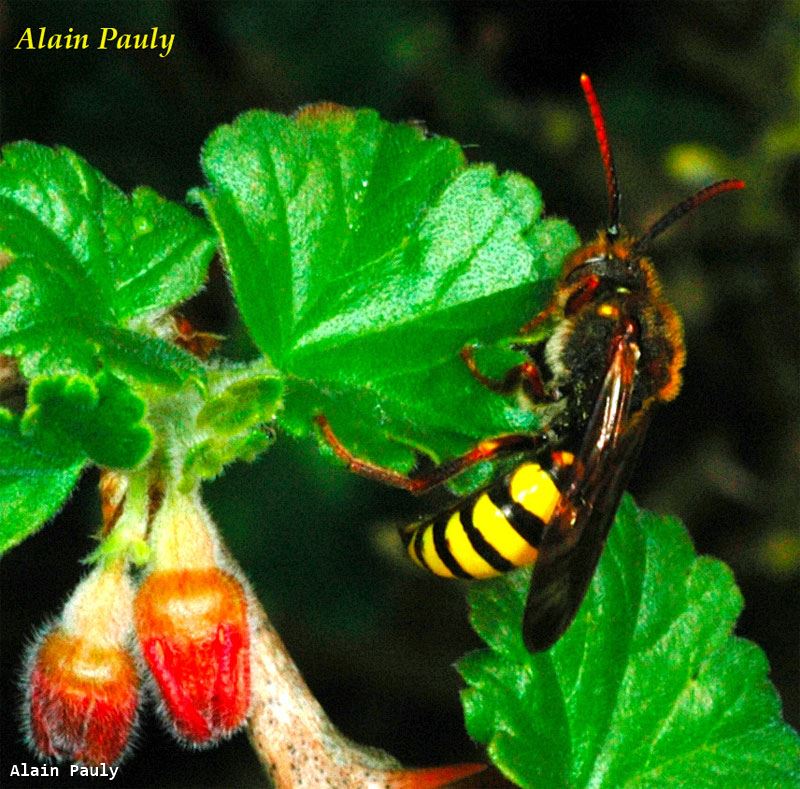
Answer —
(690, 91)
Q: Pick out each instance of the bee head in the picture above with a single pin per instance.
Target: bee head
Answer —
(613, 266)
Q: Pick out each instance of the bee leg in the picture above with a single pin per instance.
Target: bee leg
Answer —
(525, 376)
(536, 322)
(485, 450)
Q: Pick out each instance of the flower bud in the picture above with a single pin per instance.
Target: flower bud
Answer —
(191, 622)
(82, 684)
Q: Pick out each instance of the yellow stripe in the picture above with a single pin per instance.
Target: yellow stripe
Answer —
(435, 564)
(533, 488)
(464, 553)
(499, 533)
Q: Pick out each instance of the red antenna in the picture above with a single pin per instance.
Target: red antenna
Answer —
(612, 230)
(675, 213)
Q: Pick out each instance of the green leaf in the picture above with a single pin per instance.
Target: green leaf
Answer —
(207, 459)
(363, 256)
(647, 688)
(232, 421)
(85, 267)
(242, 403)
(77, 418)
(32, 487)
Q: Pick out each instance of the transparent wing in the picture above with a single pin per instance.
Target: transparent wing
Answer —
(575, 536)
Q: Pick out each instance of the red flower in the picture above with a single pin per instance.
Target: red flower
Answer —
(194, 634)
(82, 699)
(82, 683)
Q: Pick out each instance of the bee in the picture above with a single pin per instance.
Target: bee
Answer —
(606, 351)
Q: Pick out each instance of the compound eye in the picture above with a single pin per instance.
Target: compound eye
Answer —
(581, 271)
(582, 294)
(576, 274)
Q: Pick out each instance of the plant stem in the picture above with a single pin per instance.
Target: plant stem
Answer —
(297, 743)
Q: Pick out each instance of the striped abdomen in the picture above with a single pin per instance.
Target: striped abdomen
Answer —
(492, 531)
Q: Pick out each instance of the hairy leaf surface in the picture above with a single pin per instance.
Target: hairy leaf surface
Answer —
(364, 255)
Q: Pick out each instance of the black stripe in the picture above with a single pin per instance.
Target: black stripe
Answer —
(485, 550)
(529, 526)
(442, 548)
(417, 544)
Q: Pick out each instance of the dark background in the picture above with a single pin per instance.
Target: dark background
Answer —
(691, 92)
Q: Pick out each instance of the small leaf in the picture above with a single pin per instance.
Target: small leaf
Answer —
(32, 487)
(207, 459)
(232, 422)
(363, 256)
(88, 265)
(79, 418)
(244, 403)
(647, 688)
